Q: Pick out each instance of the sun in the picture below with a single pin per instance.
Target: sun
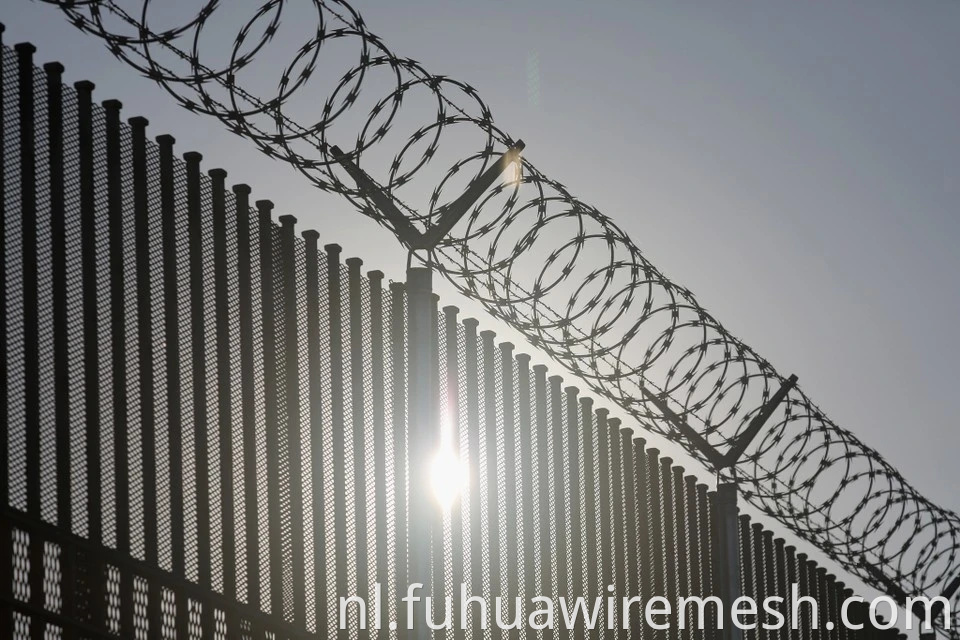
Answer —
(449, 476)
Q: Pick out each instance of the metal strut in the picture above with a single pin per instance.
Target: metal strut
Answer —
(718, 460)
(449, 214)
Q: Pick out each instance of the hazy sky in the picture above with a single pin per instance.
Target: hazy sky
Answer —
(795, 164)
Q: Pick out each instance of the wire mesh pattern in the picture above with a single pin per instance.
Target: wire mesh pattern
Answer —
(205, 419)
(595, 304)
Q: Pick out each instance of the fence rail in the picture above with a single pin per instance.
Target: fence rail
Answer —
(208, 421)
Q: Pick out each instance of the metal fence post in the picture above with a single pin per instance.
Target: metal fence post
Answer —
(118, 331)
(473, 455)
(791, 564)
(358, 427)
(543, 482)
(172, 353)
(605, 476)
(338, 426)
(748, 560)
(573, 471)
(706, 552)
(314, 373)
(6, 541)
(398, 358)
(198, 365)
(379, 414)
(727, 555)
(293, 446)
(453, 413)
(803, 580)
(494, 482)
(438, 537)
(269, 327)
(681, 532)
(632, 568)
(58, 261)
(783, 586)
(244, 258)
(525, 427)
(759, 569)
(656, 568)
(512, 552)
(694, 537)
(28, 274)
(145, 369)
(31, 360)
(559, 490)
(422, 434)
(823, 600)
(620, 541)
(225, 381)
(770, 575)
(669, 540)
(645, 554)
(591, 539)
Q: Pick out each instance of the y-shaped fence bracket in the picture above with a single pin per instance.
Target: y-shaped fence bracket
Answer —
(718, 460)
(449, 214)
(727, 558)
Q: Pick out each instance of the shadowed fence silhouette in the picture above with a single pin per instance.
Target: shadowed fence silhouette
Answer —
(559, 271)
(205, 421)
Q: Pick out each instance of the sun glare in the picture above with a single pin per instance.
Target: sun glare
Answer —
(449, 476)
(513, 174)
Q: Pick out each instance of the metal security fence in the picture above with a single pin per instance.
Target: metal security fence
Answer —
(213, 428)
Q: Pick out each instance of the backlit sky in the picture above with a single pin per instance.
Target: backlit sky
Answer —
(795, 164)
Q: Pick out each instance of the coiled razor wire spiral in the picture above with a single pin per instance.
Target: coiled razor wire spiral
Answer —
(596, 305)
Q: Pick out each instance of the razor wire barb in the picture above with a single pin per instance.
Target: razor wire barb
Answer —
(595, 304)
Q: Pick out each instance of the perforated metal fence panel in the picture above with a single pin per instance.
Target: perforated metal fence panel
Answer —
(204, 424)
